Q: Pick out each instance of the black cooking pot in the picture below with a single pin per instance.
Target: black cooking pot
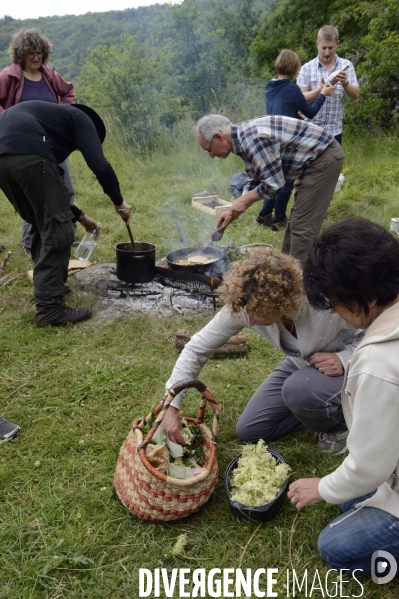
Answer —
(135, 265)
(209, 252)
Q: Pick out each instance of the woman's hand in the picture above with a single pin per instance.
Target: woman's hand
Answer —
(327, 363)
(304, 492)
(124, 211)
(172, 425)
(89, 224)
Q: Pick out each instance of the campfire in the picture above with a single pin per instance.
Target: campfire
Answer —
(171, 292)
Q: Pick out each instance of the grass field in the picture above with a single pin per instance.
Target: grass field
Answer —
(75, 390)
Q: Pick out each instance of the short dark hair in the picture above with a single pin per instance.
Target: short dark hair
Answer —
(354, 262)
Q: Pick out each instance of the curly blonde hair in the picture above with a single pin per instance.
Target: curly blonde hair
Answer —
(28, 40)
(265, 282)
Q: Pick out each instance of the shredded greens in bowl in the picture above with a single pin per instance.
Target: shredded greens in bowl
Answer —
(258, 477)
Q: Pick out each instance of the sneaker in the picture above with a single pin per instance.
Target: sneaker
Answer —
(8, 430)
(280, 226)
(72, 315)
(334, 443)
(264, 220)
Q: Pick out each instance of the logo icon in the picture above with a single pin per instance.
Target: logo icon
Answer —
(383, 567)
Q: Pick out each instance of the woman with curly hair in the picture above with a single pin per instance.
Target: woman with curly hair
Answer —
(264, 292)
(28, 78)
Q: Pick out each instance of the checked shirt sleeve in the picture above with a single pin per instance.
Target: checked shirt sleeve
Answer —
(264, 167)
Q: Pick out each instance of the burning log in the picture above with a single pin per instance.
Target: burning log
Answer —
(235, 347)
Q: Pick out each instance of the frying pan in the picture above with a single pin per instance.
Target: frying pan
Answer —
(214, 254)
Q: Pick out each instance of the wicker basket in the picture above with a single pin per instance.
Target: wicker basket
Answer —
(152, 495)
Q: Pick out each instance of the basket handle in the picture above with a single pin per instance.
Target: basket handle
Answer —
(160, 410)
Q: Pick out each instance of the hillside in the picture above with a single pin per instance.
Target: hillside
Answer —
(72, 36)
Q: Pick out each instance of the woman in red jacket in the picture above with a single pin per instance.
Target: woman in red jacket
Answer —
(28, 78)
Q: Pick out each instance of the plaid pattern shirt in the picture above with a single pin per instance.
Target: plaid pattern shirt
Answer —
(331, 113)
(276, 149)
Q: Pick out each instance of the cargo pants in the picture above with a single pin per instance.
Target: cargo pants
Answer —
(313, 191)
(34, 185)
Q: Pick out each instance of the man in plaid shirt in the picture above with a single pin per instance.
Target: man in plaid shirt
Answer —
(276, 149)
(313, 73)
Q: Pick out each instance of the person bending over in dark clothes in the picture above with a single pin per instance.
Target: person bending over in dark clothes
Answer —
(35, 137)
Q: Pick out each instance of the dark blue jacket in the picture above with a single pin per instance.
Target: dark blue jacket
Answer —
(282, 97)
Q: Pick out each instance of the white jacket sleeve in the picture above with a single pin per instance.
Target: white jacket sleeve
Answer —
(345, 354)
(202, 346)
(373, 442)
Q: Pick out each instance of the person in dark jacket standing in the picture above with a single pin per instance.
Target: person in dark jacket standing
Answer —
(283, 97)
(35, 137)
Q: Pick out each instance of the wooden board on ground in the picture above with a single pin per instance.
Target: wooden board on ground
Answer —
(235, 347)
(73, 267)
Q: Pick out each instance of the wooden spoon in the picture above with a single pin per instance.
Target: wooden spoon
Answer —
(130, 235)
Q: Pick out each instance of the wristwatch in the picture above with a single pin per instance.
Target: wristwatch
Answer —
(345, 84)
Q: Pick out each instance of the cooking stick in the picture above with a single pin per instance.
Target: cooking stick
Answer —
(130, 235)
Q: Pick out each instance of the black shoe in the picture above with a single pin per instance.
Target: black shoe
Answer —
(8, 430)
(264, 220)
(280, 226)
(72, 315)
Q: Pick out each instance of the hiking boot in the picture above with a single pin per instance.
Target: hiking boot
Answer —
(8, 430)
(334, 443)
(280, 226)
(67, 314)
(264, 220)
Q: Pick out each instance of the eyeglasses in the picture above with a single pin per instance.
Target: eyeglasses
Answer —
(33, 54)
(331, 305)
(210, 147)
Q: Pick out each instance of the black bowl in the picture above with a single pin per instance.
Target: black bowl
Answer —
(253, 513)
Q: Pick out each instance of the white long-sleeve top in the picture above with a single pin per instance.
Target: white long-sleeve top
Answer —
(317, 331)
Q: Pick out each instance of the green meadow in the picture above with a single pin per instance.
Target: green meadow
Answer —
(75, 390)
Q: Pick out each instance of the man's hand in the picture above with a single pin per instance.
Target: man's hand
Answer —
(124, 211)
(327, 363)
(172, 424)
(237, 208)
(304, 492)
(342, 77)
(90, 224)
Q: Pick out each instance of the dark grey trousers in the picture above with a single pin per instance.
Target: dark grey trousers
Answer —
(26, 227)
(292, 398)
(313, 191)
(36, 189)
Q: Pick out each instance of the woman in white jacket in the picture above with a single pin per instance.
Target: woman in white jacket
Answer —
(354, 271)
(264, 292)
